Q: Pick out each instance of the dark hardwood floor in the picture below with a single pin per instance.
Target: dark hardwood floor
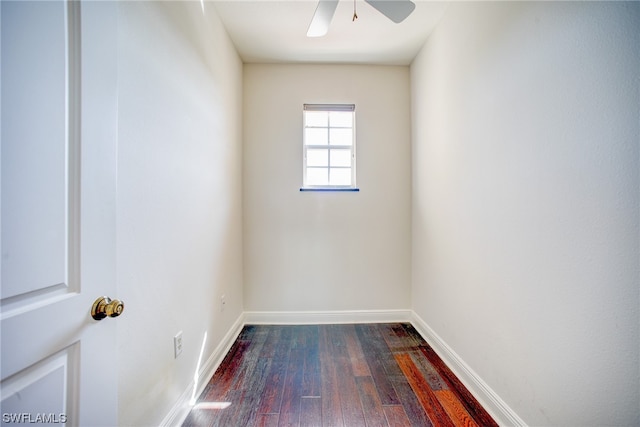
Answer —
(334, 375)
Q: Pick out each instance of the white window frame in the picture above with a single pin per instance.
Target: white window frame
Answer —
(328, 146)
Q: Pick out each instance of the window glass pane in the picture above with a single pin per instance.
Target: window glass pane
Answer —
(329, 145)
(317, 176)
(318, 157)
(341, 158)
(341, 137)
(340, 176)
(341, 118)
(316, 136)
(316, 118)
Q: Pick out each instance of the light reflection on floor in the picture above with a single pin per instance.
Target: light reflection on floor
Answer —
(212, 405)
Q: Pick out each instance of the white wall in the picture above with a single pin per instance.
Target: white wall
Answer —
(525, 204)
(307, 251)
(179, 198)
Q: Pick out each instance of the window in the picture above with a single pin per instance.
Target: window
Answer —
(329, 148)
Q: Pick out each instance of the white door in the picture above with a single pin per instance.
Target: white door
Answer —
(58, 137)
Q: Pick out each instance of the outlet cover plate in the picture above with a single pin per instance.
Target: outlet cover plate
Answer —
(177, 344)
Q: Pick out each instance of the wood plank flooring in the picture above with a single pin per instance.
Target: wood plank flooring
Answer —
(334, 375)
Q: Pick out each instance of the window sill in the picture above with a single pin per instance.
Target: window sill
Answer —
(329, 189)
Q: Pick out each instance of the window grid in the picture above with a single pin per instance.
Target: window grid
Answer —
(333, 167)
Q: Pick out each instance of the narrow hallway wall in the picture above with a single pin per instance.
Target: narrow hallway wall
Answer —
(526, 206)
(179, 198)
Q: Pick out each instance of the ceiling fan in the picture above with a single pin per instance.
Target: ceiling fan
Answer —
(395, 10)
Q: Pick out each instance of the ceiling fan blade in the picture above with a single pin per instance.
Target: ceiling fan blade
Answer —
(396, 10)
(322, 18)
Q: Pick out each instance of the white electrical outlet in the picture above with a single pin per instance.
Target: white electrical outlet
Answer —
(223, 301)
(177, 344)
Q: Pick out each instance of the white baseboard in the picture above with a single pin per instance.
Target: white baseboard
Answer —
(325, 317)
(181, 409)
(489, 400)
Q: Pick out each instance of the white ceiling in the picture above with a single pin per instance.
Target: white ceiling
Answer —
(275, 31)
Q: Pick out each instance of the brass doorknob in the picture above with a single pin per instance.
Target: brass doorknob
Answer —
(105, 306)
